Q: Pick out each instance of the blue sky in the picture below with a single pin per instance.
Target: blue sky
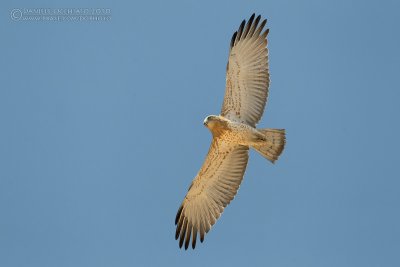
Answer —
(101, 134)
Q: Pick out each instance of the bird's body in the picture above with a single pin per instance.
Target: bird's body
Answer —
(234, 133)
(231, 131)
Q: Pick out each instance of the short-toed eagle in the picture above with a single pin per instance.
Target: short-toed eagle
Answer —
(234, 132)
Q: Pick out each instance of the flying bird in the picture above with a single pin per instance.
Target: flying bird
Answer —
(233, 133)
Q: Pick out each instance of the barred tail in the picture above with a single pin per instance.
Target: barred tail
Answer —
(273, 145)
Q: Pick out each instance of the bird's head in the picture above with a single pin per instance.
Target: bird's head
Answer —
(213, 121)
(209, 120)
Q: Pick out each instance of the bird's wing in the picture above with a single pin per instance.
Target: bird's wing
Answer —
(211, 191)
(247, 75)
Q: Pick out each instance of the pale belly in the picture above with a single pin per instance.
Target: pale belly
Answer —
(241, 134)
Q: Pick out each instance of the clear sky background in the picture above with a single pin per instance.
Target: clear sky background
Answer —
(101, 134)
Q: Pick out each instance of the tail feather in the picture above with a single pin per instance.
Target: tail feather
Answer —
(273, 145)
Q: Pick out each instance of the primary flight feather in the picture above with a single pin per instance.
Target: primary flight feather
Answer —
(234, 132)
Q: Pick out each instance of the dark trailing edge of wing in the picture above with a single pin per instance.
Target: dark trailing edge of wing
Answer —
(248, 30)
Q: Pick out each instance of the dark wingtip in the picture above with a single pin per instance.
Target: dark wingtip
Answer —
(242, 24)
(176, 234)
(194, 237)
(179, 227)
(178, 214)
(252, 17)
(185, 224)
(181, 241)
(265, 34)
(248, 26)
(263, 23)
(233, 39)
(240, 31)
(248, 29)
(189, 230)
